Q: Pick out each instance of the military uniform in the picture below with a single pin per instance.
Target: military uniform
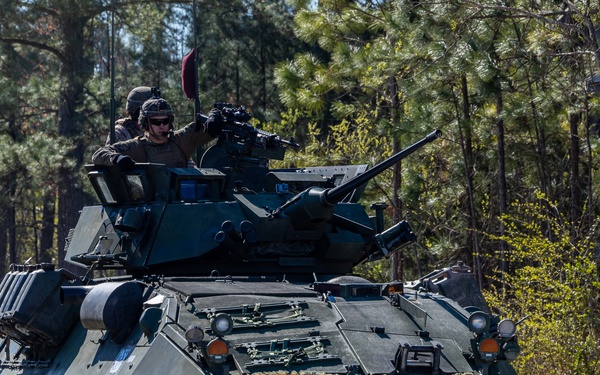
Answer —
(174, 153)
(125, 128)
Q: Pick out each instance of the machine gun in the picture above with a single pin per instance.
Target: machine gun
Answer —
(243, 141)
(242, 151)
(237, 127)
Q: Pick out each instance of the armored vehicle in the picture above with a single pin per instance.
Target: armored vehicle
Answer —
(235, 268)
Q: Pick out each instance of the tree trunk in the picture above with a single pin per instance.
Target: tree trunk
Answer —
(540, 140)
(467, 147)
(238, 83)
(12, 230)
(263, 77)
(3, 240)
(588, 183)
(74, 72)
(8, 220)
(502, 195)
(47, 230)
(574, 120)
(397, 257)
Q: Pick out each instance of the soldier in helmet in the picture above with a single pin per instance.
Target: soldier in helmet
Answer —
(160, 144)
(128, 127)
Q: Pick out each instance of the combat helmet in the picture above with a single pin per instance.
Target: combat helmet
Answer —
(155, 107)
(135, 99)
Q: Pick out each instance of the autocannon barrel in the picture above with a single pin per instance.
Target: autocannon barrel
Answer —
(315, 205)
(336, 194)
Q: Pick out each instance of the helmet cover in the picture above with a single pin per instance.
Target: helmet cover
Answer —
(136, 98)
(155, 107)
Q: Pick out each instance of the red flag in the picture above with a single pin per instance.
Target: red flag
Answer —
(188, 74)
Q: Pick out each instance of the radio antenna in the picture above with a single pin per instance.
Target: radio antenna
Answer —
(196, 93)
(189, 74)
(112, 74)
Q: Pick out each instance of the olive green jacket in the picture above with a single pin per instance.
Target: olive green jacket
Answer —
(174, 153)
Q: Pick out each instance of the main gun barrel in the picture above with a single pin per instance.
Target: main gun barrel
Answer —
(315, 205)
(336, 194)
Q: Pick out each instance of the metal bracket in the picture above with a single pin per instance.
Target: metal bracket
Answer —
(286, 352)
(262, 315)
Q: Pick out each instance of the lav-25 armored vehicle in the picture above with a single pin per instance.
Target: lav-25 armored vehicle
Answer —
(235, 268)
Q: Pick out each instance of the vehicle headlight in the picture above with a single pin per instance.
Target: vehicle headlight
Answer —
(194, 334)
(479, 322)
(507, 329)
(221, 324)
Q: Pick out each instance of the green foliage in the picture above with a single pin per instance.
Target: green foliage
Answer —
(377, 272)
(554, 282)
(352, 141)
(240, 45)
(30, 167)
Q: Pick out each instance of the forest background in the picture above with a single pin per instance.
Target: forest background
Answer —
(511, 188)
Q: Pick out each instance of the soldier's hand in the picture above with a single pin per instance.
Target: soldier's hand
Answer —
(214, 123)
(125, 162)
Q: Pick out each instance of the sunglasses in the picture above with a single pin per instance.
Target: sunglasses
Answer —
(159, 121)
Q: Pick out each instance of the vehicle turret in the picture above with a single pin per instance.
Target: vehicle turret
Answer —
(178, 220)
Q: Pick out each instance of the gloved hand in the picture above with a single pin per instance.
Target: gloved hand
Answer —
(214, 123)
(125, 162)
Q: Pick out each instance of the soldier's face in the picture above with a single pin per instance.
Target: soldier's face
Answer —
(159, 128)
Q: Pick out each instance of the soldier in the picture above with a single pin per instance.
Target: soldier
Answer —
(128, 127)
(160, 144)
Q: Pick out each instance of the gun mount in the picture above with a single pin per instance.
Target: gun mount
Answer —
(242, 151)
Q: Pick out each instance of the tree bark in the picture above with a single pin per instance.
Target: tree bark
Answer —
(574, 184)
(502, 195)
(465, 133)
(3, 240)
(74, 72)
(47, 228)
(398, 256)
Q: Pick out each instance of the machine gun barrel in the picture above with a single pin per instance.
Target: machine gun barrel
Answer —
(246, 130)
(336, 194)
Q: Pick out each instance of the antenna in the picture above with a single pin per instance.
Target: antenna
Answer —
(197, 93)
(112, 74)
(189, 75)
